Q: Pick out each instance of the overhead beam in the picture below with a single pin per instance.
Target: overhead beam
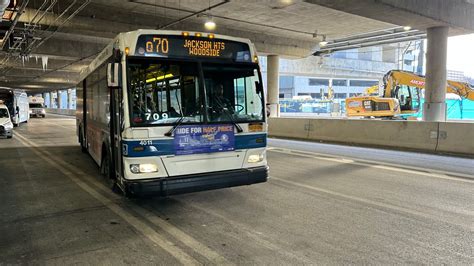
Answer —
(108, 29)
(419, 14)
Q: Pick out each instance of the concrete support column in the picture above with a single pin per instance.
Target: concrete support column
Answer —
(273, 85)
(46, 104)
(59, 94)
(434, 108)
(51, 100)
(69, 98)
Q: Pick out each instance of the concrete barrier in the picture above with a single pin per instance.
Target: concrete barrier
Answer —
(456, 138)
(293, 127)
(412, 135)
(68, 112)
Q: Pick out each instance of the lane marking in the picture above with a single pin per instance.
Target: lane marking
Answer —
(299, 259)
(468, 225)
(140, 226)
(180, 235)
(186, 239)
(379, 165)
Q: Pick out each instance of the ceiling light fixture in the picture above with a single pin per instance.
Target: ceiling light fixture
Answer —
(406, 28)
(323, 42)
(210, 24)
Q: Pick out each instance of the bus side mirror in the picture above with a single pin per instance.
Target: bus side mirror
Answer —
(258, 87)
(114, 75)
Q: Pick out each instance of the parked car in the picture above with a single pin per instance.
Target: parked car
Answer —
(6, 125)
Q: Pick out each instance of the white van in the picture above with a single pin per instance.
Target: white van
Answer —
(17, 104)
(6, 125)
(37, 106)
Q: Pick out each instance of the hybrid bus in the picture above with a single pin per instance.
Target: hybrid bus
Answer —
(167, 112)
(17, 103)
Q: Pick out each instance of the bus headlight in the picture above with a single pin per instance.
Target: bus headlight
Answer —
(143, 168)
(255, 158)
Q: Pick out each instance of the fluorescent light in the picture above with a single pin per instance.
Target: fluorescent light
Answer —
(406, 28)
(159, 78)
(323, 42)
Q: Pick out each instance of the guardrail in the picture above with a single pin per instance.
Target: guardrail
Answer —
(440, 137)
(68, 112)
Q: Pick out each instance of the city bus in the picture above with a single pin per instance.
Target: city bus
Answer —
(16, 101)
(168, 112)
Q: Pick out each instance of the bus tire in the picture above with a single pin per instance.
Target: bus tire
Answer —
(81, 141)
(107, 170)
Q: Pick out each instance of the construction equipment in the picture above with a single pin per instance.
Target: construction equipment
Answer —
(400, 96)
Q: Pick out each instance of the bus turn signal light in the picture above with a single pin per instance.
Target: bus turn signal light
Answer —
(255, 127)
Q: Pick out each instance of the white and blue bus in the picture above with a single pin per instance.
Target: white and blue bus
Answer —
(167, 112)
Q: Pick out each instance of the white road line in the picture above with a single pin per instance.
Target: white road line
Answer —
(379, 165)
(186, 239)
(141, 227)
(468, 225)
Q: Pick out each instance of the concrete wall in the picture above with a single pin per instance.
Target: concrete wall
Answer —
(442, 137)
(69, 112)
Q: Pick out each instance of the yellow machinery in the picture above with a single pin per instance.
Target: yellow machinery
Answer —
(400, 96)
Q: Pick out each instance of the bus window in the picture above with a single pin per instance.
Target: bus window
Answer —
(232, 94)
(161, 93)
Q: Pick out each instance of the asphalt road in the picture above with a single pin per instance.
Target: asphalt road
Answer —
(324, 204)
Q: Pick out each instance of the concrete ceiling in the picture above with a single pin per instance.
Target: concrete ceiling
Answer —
(284, 27)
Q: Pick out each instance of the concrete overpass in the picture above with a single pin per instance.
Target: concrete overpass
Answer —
(69, 34)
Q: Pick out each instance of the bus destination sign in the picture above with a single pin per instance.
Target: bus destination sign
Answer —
(188, 46)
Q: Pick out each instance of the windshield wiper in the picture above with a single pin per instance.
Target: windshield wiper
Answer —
(176, 124)
(227, 112)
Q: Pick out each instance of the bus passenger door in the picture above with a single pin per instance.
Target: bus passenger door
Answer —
(116, 125)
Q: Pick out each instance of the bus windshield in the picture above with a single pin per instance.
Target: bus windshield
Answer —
(232, 93)
(163, 92)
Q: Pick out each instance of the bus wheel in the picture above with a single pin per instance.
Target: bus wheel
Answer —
(81, 142)
(107, 171)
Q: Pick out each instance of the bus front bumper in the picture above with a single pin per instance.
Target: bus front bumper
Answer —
(197, 182)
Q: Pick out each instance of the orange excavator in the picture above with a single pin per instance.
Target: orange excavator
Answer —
(400, 96)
